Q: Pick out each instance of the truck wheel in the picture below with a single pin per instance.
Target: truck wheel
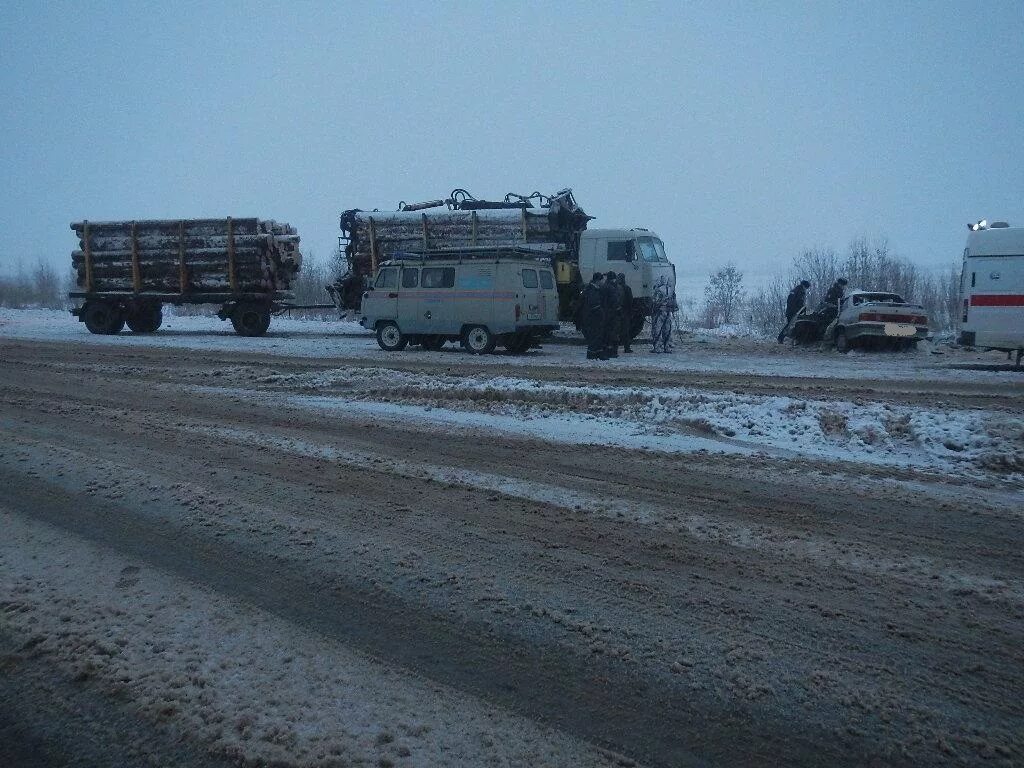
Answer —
(390, 337)
(250, 319)
(433, 343)
(146, 319)
(636, 324)
(478, 340)
(519, 343)
(842, 343)
(102, 317)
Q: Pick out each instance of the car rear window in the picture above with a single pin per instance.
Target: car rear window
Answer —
(529, 278)
(438, 277)
(546, 280)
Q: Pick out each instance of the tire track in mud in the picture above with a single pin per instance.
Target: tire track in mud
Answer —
(594, 699)
(174, 361)
(155, 428)
(721, 607)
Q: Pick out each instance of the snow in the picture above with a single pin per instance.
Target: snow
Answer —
(679, 419)
(244, 683)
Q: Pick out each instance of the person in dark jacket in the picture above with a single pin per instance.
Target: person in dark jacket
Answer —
(613, 310)
(796, 301)
(626, 328)
(829, 308)
(592, 316)
(836, 292)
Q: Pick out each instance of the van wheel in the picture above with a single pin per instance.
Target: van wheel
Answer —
(390, 337)
(478, 340)
(842, 343)
(103, 317)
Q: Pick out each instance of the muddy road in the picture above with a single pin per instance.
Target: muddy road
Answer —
(244, 576)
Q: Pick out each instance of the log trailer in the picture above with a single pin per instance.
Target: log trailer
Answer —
(127, 270)
(550, 228)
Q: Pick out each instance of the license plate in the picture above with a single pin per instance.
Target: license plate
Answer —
(900, 329)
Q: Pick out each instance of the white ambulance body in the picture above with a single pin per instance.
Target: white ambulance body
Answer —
(992, 288)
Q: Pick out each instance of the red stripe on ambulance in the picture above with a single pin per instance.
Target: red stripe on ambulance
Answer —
(997, 300)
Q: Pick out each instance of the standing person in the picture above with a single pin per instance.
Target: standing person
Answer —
(836, 292)
(626, 328)
(612, 311)
(592, 316)
(662, 302)
(796, 301)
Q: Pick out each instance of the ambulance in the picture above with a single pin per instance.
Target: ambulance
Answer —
(992, 288)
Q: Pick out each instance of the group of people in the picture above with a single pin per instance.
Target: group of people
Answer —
(797, 300)
(605, 315)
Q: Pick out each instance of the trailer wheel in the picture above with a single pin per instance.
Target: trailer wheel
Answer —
(146, 318)
(478, 340)
(250, 319)
(390, 337)
(102, 317)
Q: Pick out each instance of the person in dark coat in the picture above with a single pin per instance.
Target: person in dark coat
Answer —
(626, 328)
(829, 308)
(836, 292)
(613, 310)
(796, 301)
(592, 316)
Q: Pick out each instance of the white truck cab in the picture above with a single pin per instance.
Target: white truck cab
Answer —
(992, 288)
(639, 254)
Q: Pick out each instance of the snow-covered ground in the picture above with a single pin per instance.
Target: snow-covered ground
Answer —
(251, 686)
(697, 351)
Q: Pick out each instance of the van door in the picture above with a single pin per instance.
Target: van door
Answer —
(408, 301)
(382, 301)
(474, 286)
(436, 311)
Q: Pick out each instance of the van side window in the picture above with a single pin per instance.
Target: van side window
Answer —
(620, 250)
(388, 278)
(438, 277)
(410, 277)
(546, 281)
(529, 278)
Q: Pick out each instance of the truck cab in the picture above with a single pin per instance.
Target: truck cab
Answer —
(639, 254)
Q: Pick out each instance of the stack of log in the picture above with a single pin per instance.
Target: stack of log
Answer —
(465, 226)
(186, 257)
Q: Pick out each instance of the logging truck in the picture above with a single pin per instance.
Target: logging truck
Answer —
(551, 229)
(126, 271)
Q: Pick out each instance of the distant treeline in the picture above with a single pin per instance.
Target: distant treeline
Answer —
(867, 266)
(41, 287)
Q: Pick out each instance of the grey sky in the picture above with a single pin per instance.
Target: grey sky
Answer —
(738, 131)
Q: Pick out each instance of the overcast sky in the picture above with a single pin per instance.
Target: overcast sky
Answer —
(740, 132)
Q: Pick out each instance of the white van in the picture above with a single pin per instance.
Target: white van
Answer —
(479, 302)
(992, 288)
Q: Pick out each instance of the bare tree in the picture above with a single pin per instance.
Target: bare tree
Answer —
(767, 306)
(723, 296)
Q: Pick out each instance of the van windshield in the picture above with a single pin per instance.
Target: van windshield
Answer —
(651, 249)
